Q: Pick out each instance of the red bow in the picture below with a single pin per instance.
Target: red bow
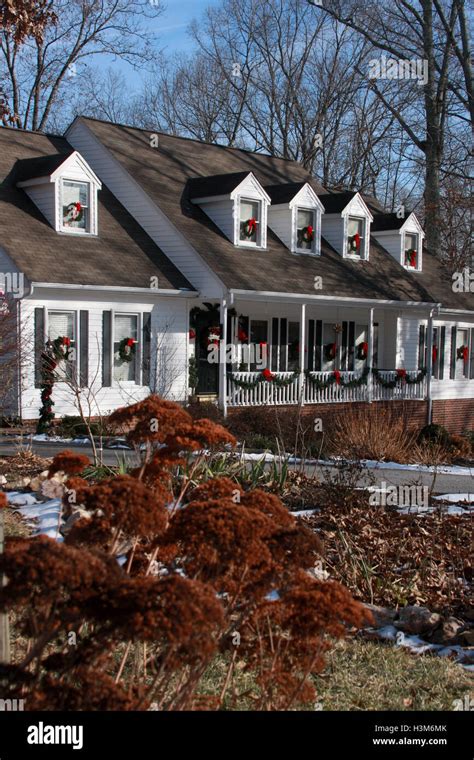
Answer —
(365, 348)
(192, 334)
(130, 342)
(337, 376)
(242, 335)
(465, 353)
(267, 374)
(401, 372)
(252, 224)
(357, 240)
(78, 206)
(66, 341)
(413, 258)
(435, 354)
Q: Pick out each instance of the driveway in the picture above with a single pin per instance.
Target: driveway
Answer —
(443, 483)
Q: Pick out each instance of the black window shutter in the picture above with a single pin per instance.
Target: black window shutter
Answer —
(471, 354)
(344, 352)
(146, 349)
(275, 323)
(452, 368)
(350, 363)
(375, 347)
(106, 349)
(84, 349)
(283, 344)
(311, 336)
(40, 339)
(319, 345)
(421, 347)
(442, 345)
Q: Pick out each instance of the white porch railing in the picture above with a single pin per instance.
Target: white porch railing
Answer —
(263, 392)
(267, 392)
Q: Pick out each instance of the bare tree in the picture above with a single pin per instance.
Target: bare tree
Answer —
(44, 69)
(434, 32)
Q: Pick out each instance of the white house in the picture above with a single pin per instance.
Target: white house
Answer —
(144, 250)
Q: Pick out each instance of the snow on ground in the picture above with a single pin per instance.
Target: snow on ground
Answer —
(43, 516)
(417, 645)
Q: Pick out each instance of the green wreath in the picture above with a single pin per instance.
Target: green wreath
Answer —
(127, 349)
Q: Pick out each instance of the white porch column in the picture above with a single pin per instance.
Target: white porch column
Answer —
(370, 358)
(302, 349)
(222, 358)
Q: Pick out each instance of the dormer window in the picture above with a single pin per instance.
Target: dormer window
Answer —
(75, 206)
(305, 230)
(250, 222)
(64, 188)
(411, 250)
(355, 236)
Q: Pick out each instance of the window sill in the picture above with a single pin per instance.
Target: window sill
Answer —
(80, 233)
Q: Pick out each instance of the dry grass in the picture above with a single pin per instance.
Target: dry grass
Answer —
(366, 675)
(384, 435)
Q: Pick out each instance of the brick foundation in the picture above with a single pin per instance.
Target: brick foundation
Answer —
(456, 415)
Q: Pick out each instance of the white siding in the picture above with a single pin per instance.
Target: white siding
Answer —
(280, 221)
(459, 387)
(145, 211)
(333, 231)
(222, 214)
(392, 242)
(43, 196)
(168, 355)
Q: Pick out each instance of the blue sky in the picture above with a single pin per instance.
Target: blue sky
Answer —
(169, 33)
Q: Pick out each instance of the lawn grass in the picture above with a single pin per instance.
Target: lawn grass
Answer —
(365, 675)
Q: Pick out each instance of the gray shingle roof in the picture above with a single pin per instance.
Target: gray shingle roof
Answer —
(121, 255)
(217, 184)
(164, 172)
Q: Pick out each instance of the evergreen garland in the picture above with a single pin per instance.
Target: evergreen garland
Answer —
(279, 382)
(401, 376)
(54, 352)
(336, 377)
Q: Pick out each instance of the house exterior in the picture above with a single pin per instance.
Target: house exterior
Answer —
(143, 256)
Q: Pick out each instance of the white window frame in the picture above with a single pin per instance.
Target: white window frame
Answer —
(362, 256)
(91, 207)
(416, 235)
(138, 356)
(313, 251)
(76, 339)
(260, 222)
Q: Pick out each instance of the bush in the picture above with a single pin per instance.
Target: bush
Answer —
(200, 409)
(72, 427)
(434, 433)
(382, 435)
(294, 432)
(206, 570)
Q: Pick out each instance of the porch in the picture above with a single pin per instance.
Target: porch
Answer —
(317, 350)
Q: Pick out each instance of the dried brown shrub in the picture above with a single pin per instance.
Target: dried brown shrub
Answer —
(200, 563)
(68, 462)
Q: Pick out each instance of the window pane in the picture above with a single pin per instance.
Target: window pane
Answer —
(305, 230)
(125, 328)
(249, 213)
(411, 251)
(258, 339)
(61, 324)
(355, 236)
(75, 203)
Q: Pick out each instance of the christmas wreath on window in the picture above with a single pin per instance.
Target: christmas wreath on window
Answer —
(308, 234)
(362, 350)
(330, 351)
(410, 257)
(127, 349)
(463, 353)
(354, 242)
(250, 227)
(74, 213)
(62, 348)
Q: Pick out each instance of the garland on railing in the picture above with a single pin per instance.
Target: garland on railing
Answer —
(401, 377)
(337, 378)
(266, 376)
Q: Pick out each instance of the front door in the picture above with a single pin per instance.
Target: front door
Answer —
(208, 372)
